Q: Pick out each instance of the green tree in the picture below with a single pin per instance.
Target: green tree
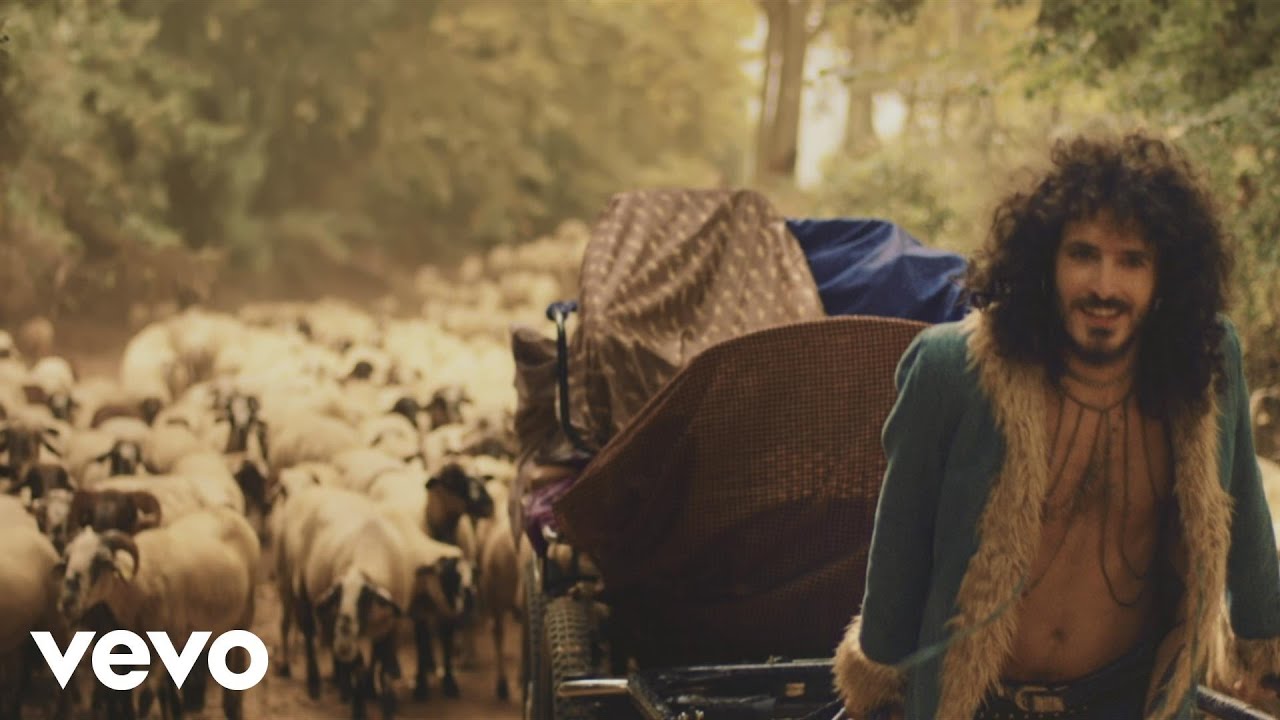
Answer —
(1208, 73)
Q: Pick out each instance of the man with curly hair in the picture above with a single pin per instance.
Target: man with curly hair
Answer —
(1072, 522)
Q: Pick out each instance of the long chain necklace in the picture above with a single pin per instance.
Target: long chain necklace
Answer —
(1097, 479)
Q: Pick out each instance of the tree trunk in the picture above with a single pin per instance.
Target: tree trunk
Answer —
(778, 132)
(859, 127)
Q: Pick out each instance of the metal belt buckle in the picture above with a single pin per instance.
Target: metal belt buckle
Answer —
(1034, 698)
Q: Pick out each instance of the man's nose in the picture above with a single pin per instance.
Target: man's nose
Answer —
(1106, 279)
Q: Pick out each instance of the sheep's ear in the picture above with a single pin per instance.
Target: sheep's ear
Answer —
(124, 565)
(44, 440)
(276, 492)
(382, 597)
(59, 569)
(329, 599)
(34, 394)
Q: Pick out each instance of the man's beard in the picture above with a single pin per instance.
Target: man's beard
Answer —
(1099, 357)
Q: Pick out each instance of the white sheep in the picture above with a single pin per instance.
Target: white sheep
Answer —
(500, 588)
(335, 546)
(92, 456)
(150, 367)
(306, 437)
(194, 575)
(350, 566)
(392, 433)
(359, 467)
(165, 445)
(30, 436)
(129, 429)
(13, 513)
(199, 482)
(8, 348)
(27, 602)
(212, 476)
(52, 374)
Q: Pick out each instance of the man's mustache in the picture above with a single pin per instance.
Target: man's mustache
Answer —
(1093, 302)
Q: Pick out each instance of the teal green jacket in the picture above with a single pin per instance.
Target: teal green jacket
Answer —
(958, 525)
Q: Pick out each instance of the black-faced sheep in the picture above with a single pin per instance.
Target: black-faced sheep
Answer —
(194, 575)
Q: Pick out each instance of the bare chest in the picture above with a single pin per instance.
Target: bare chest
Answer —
(1108, 466)
(1094, 580)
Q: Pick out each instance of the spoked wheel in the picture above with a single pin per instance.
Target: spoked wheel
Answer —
(534, 697)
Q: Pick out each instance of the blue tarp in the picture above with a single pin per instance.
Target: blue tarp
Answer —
(873, 267)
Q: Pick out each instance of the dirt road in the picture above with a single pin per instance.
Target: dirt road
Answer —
(277, 698)
(286, 699)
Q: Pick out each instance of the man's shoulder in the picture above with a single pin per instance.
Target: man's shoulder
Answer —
(944, 346)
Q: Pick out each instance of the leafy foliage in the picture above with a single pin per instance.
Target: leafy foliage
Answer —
(1210, 72)
(374, 132)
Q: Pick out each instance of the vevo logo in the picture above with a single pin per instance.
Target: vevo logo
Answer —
(178, 665)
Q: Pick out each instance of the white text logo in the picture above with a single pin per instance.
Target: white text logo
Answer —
(178, 664)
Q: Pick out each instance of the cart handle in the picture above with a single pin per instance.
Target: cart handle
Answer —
(559, 312)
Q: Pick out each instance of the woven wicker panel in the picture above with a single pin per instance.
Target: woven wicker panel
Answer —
(731, 518)
(667, 274)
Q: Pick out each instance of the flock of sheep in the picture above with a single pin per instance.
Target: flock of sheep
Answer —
(359, 464)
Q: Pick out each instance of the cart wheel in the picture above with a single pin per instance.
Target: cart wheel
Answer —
(567, 655)
(535, 698)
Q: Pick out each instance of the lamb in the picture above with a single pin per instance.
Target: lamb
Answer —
(194, 575)
(27, 576)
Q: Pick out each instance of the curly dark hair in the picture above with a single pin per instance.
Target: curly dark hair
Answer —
(1148, 186)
